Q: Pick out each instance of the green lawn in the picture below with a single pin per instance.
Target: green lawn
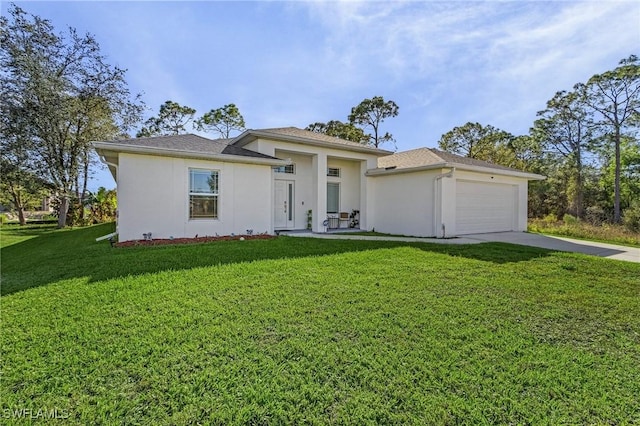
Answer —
(306, 331)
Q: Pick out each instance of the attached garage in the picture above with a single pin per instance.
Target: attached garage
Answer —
(427, 192)
(485, 207)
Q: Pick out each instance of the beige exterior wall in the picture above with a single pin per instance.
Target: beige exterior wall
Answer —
(153, 196)
(404, 203)
(423, 203)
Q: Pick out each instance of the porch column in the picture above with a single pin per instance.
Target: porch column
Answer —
(319, 173)
(366, 196)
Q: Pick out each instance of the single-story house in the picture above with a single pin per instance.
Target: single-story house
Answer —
(270, 180)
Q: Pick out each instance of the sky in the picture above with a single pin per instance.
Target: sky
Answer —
(295, 63)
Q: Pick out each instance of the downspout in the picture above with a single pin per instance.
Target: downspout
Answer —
(435, 201)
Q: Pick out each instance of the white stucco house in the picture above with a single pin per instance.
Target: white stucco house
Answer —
(287, 179)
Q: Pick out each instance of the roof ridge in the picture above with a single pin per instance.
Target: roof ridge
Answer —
(313, 135)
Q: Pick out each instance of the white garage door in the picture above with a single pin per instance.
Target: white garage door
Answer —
(484, 207)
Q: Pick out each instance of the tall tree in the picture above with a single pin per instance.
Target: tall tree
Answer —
(370, 113)
(171, 120)
(629, 171)
(615, 96)
(338, 129)
(480, 142)
(55, 88)
(564, 128)
(222, 121)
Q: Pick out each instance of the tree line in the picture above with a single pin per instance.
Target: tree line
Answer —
(585, 141)
(58, 93)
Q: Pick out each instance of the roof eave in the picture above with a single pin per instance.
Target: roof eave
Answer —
(501, 172)
(394, 171)
(249, 136)
(178, 153)
(458, 166)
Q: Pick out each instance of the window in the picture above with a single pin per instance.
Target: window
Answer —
(289, 168)
(333, 197)
(203, 194)
(333, 171)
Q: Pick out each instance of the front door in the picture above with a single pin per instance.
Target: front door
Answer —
(283, 204)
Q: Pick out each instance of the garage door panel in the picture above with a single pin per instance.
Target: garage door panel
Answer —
(484, 207)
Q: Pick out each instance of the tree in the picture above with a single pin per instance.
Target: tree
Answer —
(21, 188)
(615, 96)
(338, 129)
(480, 142)
(564, 129)
(222, 121)
(58, 94)
(629, 171)
(16, 163)
(171, 120)
(371, 113)
(103, 205)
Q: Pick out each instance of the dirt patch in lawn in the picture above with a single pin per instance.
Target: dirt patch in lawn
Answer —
(196, 240)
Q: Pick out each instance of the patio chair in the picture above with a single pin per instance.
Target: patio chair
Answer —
(344, 217)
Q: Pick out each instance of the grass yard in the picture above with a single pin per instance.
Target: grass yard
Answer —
(606, 233)
(306, 331)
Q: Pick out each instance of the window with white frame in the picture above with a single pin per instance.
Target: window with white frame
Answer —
(333, 197)
(203, 194)
(333, 171)
(289, 169)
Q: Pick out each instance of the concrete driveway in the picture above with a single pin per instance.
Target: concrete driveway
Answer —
(611, 251)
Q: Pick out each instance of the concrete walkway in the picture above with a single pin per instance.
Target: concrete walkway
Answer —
(348, 236)
(611, 251)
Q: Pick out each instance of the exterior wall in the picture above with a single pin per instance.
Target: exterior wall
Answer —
(153, 196)
(403, 203)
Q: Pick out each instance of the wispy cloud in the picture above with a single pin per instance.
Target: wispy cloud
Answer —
(485, 61)
(293, 63)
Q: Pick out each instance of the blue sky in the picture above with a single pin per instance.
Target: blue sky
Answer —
(294, 63)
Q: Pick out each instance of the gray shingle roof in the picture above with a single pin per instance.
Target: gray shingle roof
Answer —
(431, 156)
(192, 143)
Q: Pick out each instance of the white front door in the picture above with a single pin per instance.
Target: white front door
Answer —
(283, 204)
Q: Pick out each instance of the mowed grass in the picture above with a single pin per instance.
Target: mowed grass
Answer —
(306, 331)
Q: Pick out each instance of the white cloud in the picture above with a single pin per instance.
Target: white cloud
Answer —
(292, 63)
(492, 62)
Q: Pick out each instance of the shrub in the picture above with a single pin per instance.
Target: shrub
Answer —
(596, 215)
(569, 220)
(550, 218)
(631, 217)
